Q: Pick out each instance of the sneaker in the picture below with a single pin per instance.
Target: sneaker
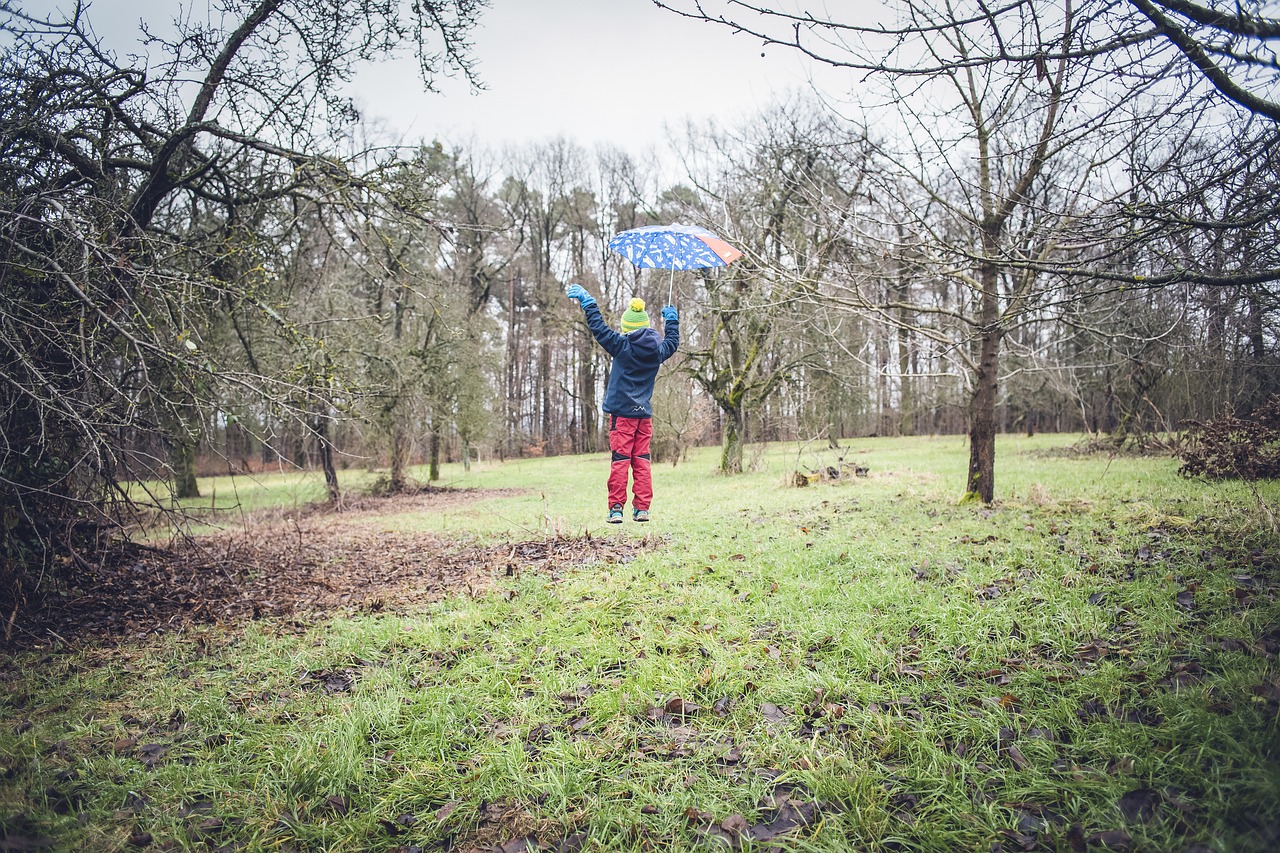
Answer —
(615, 514)
(640, 515)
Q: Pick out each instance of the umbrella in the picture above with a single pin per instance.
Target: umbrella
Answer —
(673, 247)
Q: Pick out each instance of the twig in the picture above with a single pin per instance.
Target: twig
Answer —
(13, 617)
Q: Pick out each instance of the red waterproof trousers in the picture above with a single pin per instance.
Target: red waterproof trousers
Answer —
(629, 441)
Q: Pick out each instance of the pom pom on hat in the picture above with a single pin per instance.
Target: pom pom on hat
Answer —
(634, 317)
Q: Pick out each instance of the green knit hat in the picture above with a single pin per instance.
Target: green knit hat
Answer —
(634, 317)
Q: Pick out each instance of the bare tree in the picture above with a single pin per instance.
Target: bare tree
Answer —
(1029, 84)
(1195, 58)
(781, 195)
(119, 190)
(1226, 44)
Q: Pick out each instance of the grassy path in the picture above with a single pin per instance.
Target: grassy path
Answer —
(1093, 663)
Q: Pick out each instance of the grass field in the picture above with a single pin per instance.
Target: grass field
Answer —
(1091, 663)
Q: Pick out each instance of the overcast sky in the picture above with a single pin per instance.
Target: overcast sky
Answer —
(593, 71)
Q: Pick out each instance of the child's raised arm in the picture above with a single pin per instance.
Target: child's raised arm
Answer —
(606, 337)
(671, 331)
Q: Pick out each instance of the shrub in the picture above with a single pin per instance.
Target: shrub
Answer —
(1232, 447)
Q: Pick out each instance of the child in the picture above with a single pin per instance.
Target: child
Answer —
(637, 354)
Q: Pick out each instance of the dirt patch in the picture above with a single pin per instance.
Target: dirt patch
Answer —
(316, 562)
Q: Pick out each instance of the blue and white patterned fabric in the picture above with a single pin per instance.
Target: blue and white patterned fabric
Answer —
(672, 247)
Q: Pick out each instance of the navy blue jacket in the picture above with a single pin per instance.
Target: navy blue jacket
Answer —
(636, 358)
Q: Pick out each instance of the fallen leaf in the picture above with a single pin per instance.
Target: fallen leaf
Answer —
(772, 712)
(1139, 805)
(195, 807)
(791, 812)
(571, 843)
(1112, 839)
(211, 825)
(340, 681)
(575, 698)
(735, 825)
(902, 805)
(1024, 840)
(152, 754)
(681, 707)
(1091, 709)
(1177, 799)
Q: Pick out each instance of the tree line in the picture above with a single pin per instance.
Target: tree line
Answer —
(1040, 217)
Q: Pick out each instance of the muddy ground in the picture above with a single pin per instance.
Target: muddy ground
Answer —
(308, 563)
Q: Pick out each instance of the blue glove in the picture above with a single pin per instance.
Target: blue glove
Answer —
(669, 314)
(575, 291)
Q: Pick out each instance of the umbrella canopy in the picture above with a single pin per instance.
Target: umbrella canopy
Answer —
(673, 247)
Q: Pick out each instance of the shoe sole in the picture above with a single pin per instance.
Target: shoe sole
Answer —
(614, 520)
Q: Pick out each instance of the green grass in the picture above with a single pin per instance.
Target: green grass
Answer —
(872, 642)
(230, 501)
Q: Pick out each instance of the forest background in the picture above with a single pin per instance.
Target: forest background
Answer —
(1048, 217)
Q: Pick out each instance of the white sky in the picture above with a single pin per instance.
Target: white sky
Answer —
(592, 71)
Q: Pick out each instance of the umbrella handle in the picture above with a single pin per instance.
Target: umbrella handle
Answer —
(671, 287)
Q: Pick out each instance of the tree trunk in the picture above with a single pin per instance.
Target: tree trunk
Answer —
(902, 295)
(185, 484)
(321, 427)
(884, 420)
(1260, 386)
(545, 431)
(433, 442)
(982, 407)
(186, 442)
(399, 456)
(300, 458)
(906, 402)
(510, 405)
(733, 441)
(587, 394)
